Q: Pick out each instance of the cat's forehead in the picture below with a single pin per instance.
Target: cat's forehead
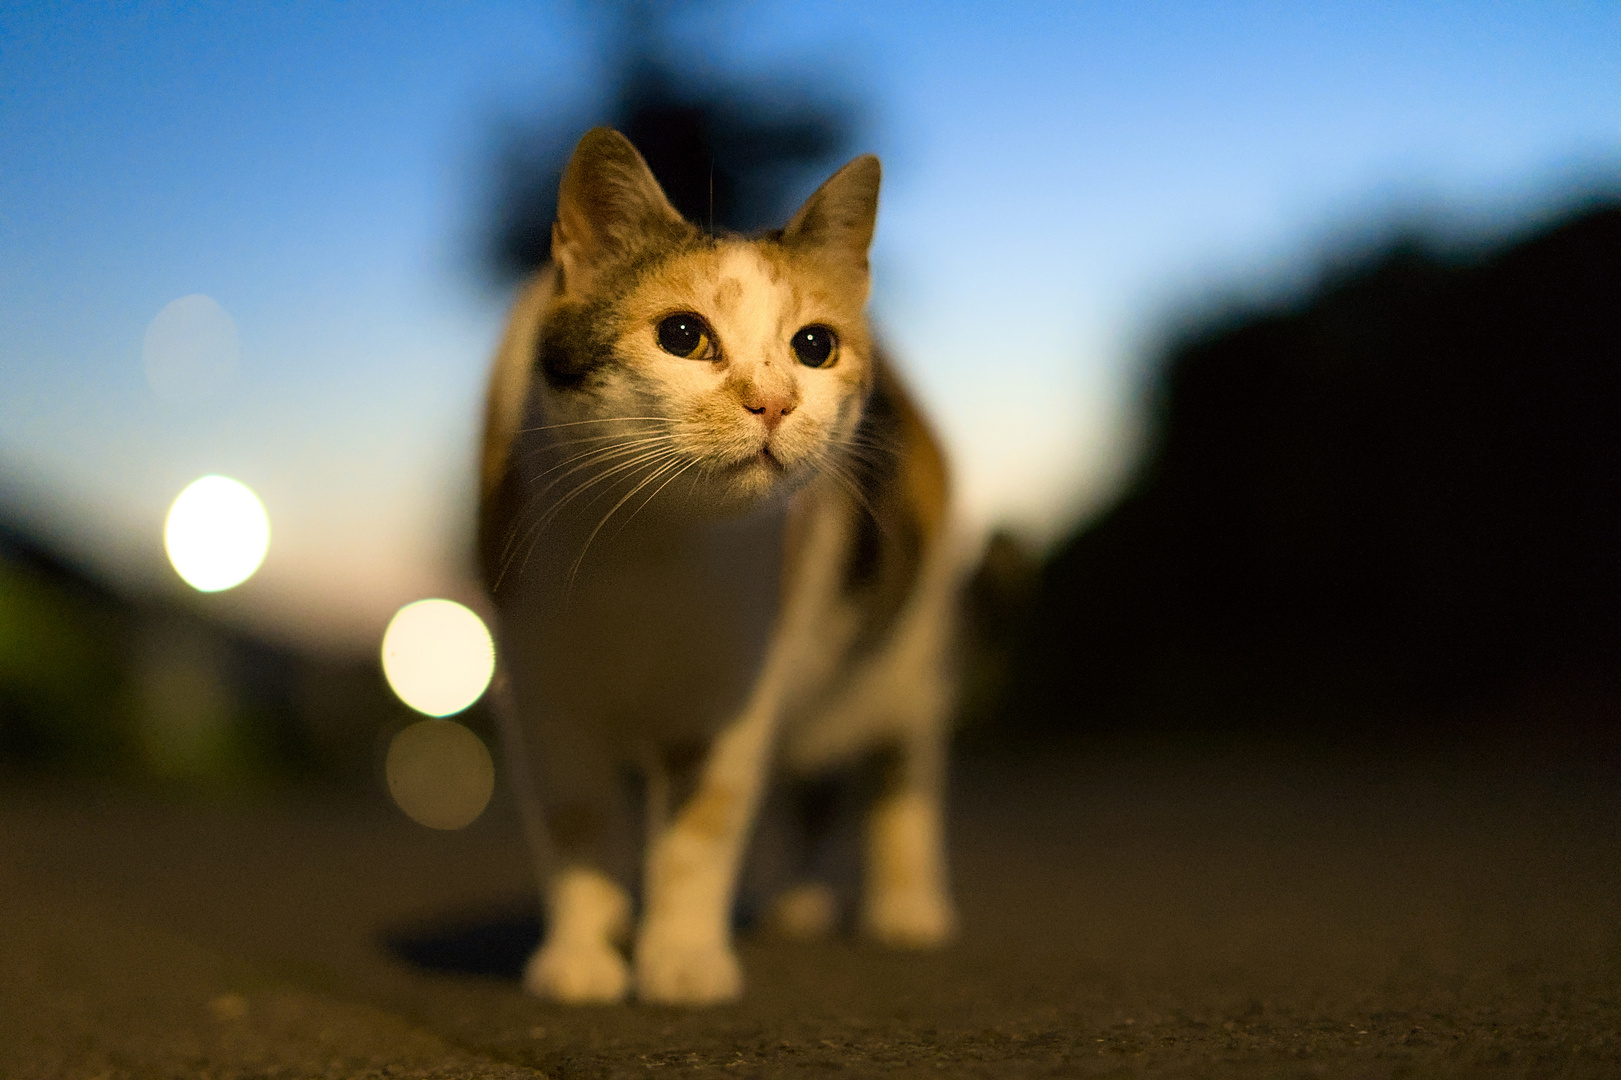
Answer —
(748, 280)
(737, 276)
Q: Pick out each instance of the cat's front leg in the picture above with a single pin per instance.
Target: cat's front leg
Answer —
(576, 829)
(580, 961)
(684, 950)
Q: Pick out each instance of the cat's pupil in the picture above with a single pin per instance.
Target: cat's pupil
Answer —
(681, 335)
(814, 345)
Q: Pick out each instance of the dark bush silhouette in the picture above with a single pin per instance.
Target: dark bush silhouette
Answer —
(729, 154)
(1400, 498)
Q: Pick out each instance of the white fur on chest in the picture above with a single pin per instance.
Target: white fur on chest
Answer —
(656, 632)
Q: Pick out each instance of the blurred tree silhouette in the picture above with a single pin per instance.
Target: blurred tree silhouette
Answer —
(729, 154)
(1401, 498)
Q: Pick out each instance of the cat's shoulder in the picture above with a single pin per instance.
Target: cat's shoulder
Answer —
(506, 402)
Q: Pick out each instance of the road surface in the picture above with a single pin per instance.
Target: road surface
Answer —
(1163, 912)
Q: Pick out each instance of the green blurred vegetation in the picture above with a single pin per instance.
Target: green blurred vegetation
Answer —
(95, 684)
(64, 693)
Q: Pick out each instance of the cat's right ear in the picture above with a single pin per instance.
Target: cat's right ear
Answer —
(607, 206)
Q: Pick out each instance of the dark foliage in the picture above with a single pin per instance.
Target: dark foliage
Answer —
(1401, 499)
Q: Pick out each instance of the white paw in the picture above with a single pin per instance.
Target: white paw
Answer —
(577, 972)
(675, 971)
(803, 913)
(910, 918)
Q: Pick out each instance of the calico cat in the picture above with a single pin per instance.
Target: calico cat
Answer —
(716, 534)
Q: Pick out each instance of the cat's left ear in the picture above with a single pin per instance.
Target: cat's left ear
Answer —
(840, 216)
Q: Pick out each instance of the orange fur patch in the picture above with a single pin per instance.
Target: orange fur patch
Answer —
(709, 813)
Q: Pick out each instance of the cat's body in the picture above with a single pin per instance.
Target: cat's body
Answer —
(716, 533)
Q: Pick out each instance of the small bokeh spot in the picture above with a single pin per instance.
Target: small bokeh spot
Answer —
(190, 349)
(440, 774)
(216, 534)
(438, 656)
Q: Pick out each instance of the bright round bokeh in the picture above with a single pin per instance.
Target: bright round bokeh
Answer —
(438, 656)
(440, 774)
(216, 534)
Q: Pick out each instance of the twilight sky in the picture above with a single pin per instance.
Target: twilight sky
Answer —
(1062, 182)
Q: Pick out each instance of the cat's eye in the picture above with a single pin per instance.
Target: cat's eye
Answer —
(686, 335)
(816, 345)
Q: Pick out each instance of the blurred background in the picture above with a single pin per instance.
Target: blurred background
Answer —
(1276, 349)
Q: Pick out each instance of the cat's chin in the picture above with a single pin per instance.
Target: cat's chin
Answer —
(759, 482)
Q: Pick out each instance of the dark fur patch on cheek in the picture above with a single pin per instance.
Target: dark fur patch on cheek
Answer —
(574, 346)
(577, 342)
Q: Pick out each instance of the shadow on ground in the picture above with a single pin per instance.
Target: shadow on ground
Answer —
(494, 941)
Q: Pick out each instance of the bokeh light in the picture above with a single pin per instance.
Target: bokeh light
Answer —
(440, 774)
(216, 534)
(190, 349)
(438, 656)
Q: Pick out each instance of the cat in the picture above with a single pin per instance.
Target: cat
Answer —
(716, 535)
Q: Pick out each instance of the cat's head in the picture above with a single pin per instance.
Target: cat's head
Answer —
(735, 367)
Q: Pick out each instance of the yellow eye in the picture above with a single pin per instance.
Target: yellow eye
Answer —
(816, 345)
(686, 335)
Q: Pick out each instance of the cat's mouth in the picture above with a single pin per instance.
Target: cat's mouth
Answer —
(765, 458)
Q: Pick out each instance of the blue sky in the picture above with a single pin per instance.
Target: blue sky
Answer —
(1061, 180)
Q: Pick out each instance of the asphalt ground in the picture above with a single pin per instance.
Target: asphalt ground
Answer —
(1235, 912)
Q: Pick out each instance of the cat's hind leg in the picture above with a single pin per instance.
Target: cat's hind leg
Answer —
(899, 707)
(805, 853)
(906, 899)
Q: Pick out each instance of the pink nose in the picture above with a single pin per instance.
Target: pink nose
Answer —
(771, 408)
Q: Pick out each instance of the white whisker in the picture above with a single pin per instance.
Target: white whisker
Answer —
(596, 456)
(654, 475)
(586, 460)
(602, 420)
(654, 495)
(530, 536)
(557, 507)
(545, 448)
(852, 485)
